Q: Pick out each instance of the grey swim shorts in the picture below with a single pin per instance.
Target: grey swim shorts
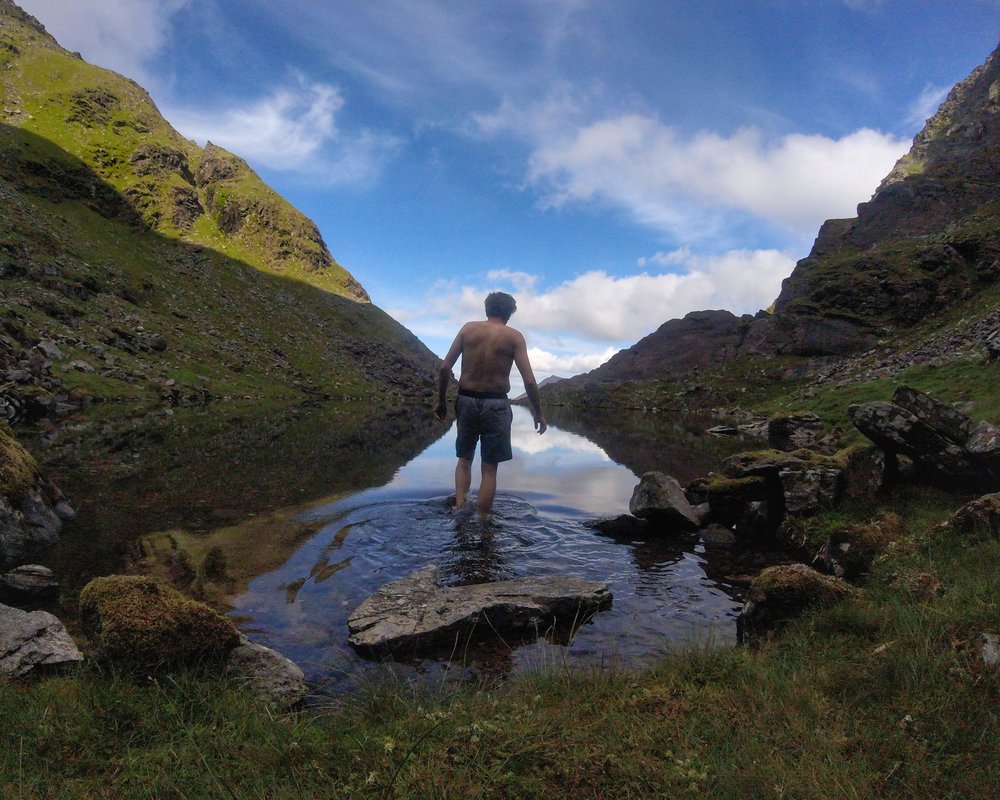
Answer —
(486, 418)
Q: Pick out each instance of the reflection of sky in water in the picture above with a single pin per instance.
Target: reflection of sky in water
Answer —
(549, 469)
(555, 482)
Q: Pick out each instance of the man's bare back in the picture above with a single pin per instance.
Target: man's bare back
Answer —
(488, 351)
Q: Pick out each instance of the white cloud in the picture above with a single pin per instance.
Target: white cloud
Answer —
(118, 34)
(294, 128)
(579, 324)
(667, 181)
(564, 365)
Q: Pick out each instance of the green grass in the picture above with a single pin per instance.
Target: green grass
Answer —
(880, 696)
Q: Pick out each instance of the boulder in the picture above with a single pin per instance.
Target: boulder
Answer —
(624, 526)
(781, 592)
(896, 430)
(789, 432)
(29, 524)
(864, 472)
(989, 649)
(981, 516)
(756, 522)
(417, 612)
(729, 497)
(949, 423)
(984, 442)
(718, 536)
(798, 483)
(811, 488)
(144, 622)
(993, 347)
(31, 641)
(267, 673)
(28, 582)
(660, 499)
(944, 444)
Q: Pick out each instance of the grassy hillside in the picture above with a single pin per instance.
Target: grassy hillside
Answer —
(160, 271)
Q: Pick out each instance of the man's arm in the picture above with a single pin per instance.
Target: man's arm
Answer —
(444, 376)
(530, 385)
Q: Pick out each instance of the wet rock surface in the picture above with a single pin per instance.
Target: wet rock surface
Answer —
(417, 612)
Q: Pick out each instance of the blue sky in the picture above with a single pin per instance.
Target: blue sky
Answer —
(613, 163)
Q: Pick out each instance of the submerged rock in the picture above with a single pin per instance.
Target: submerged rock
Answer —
(418, 612)
(33, 640)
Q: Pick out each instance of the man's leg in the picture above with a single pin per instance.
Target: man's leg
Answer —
(487, 489)
(463, 480)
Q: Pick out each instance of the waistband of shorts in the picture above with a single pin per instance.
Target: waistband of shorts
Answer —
(483, 395)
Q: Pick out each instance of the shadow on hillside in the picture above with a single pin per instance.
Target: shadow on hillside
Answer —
(198, 466)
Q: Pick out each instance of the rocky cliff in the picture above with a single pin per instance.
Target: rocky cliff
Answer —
(136, 266)
(926, 246)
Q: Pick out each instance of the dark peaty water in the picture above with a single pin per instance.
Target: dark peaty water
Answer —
(663, 594)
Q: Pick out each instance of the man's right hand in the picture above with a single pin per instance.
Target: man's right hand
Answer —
(440, 411)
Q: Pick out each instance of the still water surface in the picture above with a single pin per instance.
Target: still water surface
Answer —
(663, 595)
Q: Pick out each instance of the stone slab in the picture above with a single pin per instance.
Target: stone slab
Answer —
(418, 612)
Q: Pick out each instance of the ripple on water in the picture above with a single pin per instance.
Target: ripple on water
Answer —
(662, 594)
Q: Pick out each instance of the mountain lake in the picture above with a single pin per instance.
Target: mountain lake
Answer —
(668, 592)
(303, 513)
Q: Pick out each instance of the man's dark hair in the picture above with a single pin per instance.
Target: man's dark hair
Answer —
(500, 304)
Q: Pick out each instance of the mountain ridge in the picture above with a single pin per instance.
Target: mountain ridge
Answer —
(925, 244)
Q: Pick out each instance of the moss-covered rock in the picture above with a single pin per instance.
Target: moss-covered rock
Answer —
(728, 498)
(18, 469)
(850, 551)
(784, 591)
(140, 621)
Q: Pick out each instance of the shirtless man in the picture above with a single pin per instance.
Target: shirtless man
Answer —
(488, 349)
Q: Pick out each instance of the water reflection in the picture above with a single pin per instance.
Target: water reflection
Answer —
(556, 483)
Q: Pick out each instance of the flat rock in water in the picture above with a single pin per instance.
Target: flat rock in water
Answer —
(417, 611)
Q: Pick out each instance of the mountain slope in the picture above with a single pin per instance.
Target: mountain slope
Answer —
(923, 253)
(136, 266)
